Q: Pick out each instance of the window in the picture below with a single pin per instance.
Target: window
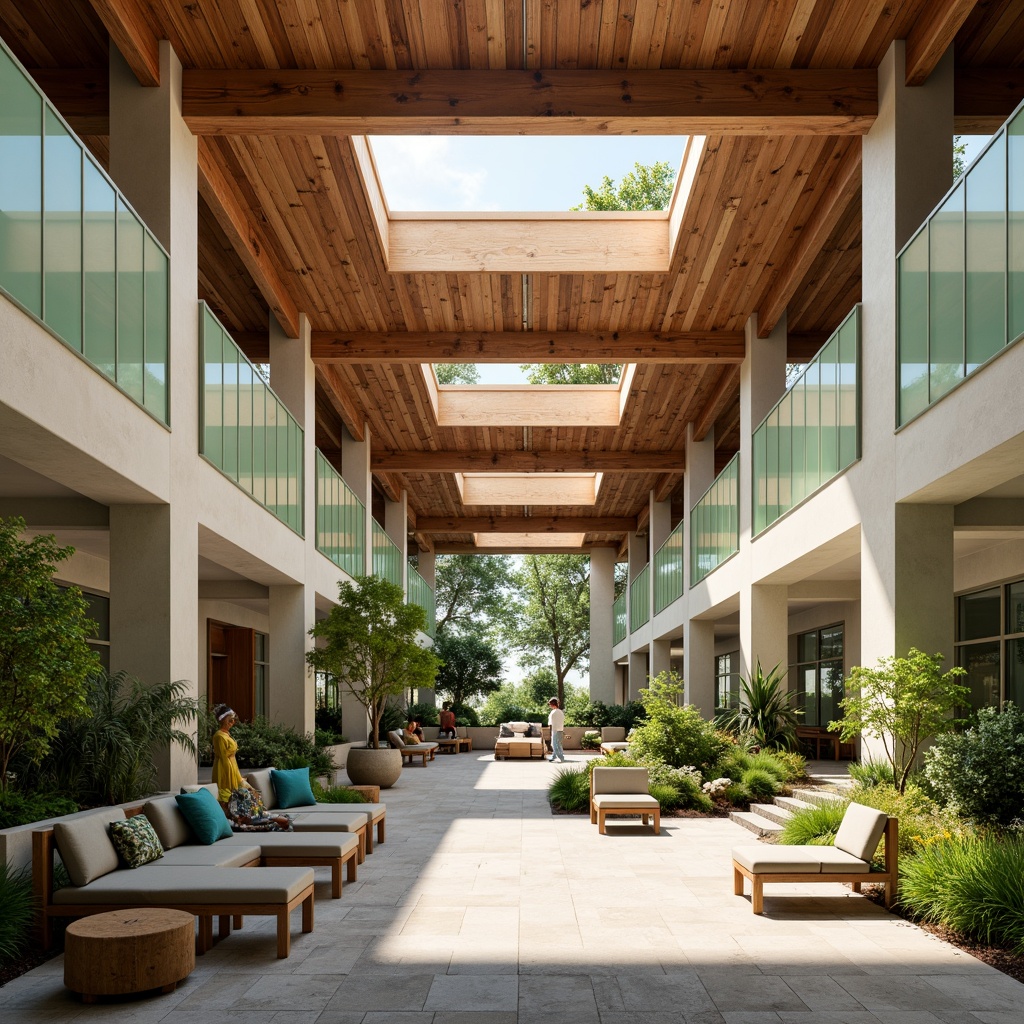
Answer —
(727, 682)
(99, 612)
(328, 693)
(990, 623)
(819, 673)
(262, 671)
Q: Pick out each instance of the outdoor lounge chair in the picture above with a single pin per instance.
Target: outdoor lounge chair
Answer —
(848, 860)
(613, 739)
(618, 791)
(410, 750)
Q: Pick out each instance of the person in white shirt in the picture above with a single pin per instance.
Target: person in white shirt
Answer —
(557, 722)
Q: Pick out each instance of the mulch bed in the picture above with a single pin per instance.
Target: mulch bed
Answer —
(16, 968)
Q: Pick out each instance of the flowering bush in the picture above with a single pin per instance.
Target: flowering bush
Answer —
(717, 788)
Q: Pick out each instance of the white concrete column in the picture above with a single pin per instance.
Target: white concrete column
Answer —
(154, 550)
(699, 665)
(699, 476)
(291, 688)
(661, 655)
(764, 628)
(356, 472)
(602, 600)
(427, 567)
(396, 520)
(637, 673)
(907, 167)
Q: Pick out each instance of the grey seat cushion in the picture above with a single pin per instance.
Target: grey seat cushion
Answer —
(620, 780)
(210, 787)
(417, 748)
(860, 831)
(610, 801)
(335, 822)
(613, 734)
(260, 781)
(169, 822)
(152, 886)
(291, 844)
(395, 739)
(806, 860)
(85, 845)
(219, 855)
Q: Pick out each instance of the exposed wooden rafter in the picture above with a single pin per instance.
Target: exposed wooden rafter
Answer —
(550, 102)
(665, 485)
(131, 33)
(983, 98)
(337, 394)
(932, 35)
(579, 461)
(723, 392)
(525, 524)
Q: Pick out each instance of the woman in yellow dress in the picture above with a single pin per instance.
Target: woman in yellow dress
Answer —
(225, 768)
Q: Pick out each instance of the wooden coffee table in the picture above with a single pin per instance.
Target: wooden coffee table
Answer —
(447, 746)
(122, 952)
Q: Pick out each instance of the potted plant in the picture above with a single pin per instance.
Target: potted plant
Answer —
(369, 643)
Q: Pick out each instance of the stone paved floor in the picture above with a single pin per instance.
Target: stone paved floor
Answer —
(484, 908)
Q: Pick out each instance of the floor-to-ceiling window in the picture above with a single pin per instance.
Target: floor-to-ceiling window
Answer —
(990, 643)
(727, 681)
(819, 675)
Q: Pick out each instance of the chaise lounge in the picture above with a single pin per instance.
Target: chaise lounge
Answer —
(425, 751)
(848, 860)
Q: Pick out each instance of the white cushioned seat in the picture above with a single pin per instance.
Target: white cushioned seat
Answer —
(620, 780)
(166, 818)
(607, 800)
(860, 831)
(613, 734)
(779, 860)
(219, 855)
(156, 886)
(291, 844)
(312, 822)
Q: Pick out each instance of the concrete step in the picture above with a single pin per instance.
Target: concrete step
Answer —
(773, 812)
(816, 796)
(755, 823)
(792, 803)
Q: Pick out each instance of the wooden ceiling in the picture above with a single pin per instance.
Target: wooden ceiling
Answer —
(280, 94)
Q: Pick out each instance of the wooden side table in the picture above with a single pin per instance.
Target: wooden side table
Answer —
(128, 951)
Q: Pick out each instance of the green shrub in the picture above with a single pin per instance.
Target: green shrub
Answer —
(920, 819)
(871, 773)
(328, 721)
(262, 744)
(618, 759)
(24, 808)
(796, 764)
(466, 715)
(425, 714)
(19, 909)
(737, 794)
(570, 790)
(770, 762)
(676, 735)
(668, 797)
(973, 885)
(326, 738)
(590, 741)
(760, 784)
(765, 715)
(337, 795)
(814, 826)
(980, 772)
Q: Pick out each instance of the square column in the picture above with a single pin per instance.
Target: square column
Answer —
(356, 472)
(602, 601)
(699, 665)
(661, 656)
(637, 673)
(396, 526)
(699, 476)
(764, 628)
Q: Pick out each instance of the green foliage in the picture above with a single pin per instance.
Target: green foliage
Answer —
(572, 373)
(465, 715)
(959, 157)
(17, 808)
(45, 662)
(973, 885)
(19, 910)
(470, 666)
(980, 772)
(760, 784)
(871, 773)
(590, 741)
(814, 826)
(668, 797)
(457, 373)
(570, 790)
(107, 757)
(337, 795)
(685, 783)
(676, 735)
(328, 722)
(794, 763)
(904, 702)
(528, 701)
(262, 744)
(765, 716)
(598, 714)
(549, 616)
(368, 642)
(470, 590)
(646, 187)
(425, 714)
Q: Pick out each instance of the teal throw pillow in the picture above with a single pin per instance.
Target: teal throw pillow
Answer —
(136, 841)
(292, 788)
(205, 816)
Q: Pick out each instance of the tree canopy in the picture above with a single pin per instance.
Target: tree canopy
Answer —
(457, 373)
(470, 589)
(572, 373)
(470, 666)
(646, 187)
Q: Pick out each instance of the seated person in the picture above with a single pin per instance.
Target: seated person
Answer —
(412, 733)
(447, 722)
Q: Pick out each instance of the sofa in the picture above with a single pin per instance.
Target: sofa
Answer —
(519, 739)
(262, 874)
(424, 751)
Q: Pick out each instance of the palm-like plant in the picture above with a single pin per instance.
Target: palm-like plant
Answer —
(765, 716)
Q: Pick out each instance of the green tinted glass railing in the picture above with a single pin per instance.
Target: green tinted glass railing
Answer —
(245, 430)
(73, 253)
(668, 571)
(421, 593)
(619, 622)
(715, 523)
(960, 279)
(813, 433)
(639, 599)
(387, 558)
(340, 520)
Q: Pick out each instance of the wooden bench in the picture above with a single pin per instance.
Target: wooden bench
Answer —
(849, 860)
(619, 791)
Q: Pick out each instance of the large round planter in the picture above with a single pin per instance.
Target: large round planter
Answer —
(368, 767)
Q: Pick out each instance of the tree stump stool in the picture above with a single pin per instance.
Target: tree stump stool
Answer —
(129, 951)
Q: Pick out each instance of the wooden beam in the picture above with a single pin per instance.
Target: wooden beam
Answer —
(390, 486)
(337, 394)
(527, 347)
(82, 95)
(130, 32)
(802, 348)
(577, 461)
(665, 485)
(526, 524)
(716, 402)
(983, 98)
(841, 191)
(236, 220)
(932, 35)
(513, 549)
(550, 102)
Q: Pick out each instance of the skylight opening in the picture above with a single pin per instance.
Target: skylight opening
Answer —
(545, 374)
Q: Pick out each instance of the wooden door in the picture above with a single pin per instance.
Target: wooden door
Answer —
(232, 668)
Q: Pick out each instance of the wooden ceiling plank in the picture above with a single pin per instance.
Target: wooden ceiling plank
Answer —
(344, 102)
(525, 524)
(527, 347)
(840, 192)
(932, 35)
(574, 460)
(337, 395)
(665, 485)
(983, 98)
(717, 400)
(133, 37)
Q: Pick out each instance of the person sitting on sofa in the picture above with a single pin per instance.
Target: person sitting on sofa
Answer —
(412, 733)
(447, 722)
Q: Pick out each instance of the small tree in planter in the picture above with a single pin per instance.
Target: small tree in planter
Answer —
(368, 642)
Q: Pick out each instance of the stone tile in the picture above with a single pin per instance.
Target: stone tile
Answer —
(681, 991)
(995, 991)
(732, 993)
(473, 992)
(476, 1017)
(261, 993)
(381, 992)
(907, 992)
(571, 995)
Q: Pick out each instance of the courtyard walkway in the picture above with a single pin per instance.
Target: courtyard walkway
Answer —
(484, 908)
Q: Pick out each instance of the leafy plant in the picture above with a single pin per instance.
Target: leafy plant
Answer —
(668, 797)
(328, 722)
(45, 662)
(19, 910)
(794, 763)
(871, 773)
(337, 795)
(760, 784)
(17, 808)
(676, 735)
(470, 666)
(570, 790)
(973, 885)
(904, 702)
(262, 744)
(980, 772)
(765, 715)
(368, 642)
(590, 741)
(425, 714)
(325, 738)
(814, 826)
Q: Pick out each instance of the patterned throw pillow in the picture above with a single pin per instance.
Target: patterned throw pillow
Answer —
(136, 841)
